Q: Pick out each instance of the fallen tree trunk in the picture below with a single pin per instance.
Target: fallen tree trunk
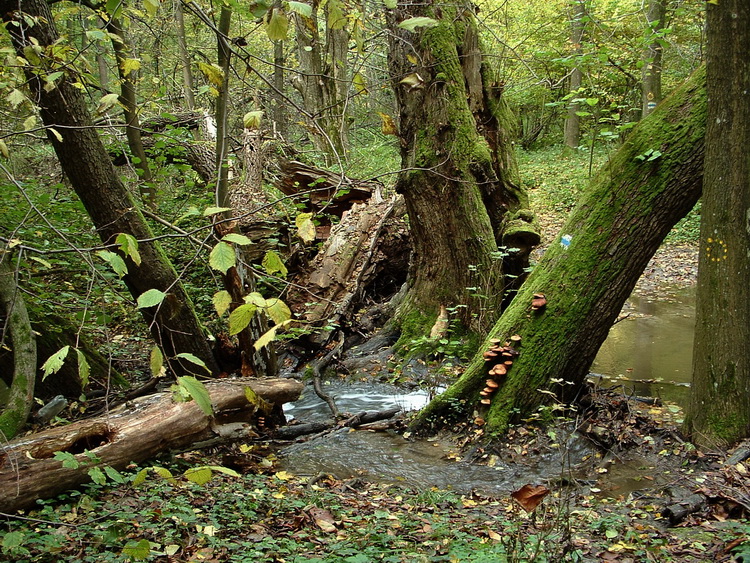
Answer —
(132, 433)
(588, 272)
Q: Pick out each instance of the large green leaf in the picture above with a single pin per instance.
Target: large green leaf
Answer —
(413, 23)
(241, 317)
(301, 8)
(277, 310)
(115, 261)
(137, 550)
(237, 238)
(150, 298)
(198, 392)
(55, 362)
(84, 369)
(272, 264)
(193, 359)
(129, 247)
(156, 362)
(199, 475)
(221, 301)
(222, 257)
(278, 25)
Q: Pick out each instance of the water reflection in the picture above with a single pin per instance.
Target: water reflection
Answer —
(650, 353)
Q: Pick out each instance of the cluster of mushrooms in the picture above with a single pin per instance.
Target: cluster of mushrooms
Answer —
(499, 357)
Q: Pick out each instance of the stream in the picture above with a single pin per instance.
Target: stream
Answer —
(648, 354)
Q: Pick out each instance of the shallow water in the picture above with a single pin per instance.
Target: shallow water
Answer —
(651, 352)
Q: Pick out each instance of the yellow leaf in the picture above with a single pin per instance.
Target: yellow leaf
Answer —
(494, 535)
(283, 475)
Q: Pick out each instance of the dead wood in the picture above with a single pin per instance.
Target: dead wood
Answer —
(365, 419)
(678, 511)
(129, 434)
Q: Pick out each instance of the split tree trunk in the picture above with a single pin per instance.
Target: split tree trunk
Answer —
(173, 323)
(719, 412)
(459, 176)
(618, 225)
(132, 433)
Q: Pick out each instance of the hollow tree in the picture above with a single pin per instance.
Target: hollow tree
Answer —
(85, 161)
(589, 271)
(718, 414)
(459, 175)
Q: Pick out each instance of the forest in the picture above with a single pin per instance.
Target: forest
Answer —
(231, 233)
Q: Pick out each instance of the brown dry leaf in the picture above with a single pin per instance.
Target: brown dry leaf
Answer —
(323, 518)
(529, 496)
(494, 535)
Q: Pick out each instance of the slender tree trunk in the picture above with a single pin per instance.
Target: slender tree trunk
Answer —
(279, 103)
(572, 134)
(86, 163)
(589, 270)
(459, 175)
(719, 413)
(651, 84)
(23, 343)
(187, 71)
(129, 101)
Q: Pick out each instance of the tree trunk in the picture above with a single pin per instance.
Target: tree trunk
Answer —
(459, 177)
(572, 133)
(719, 414)
(21, 397)
(320, 65)
(187, 71)
(129, 101)
(590, 270)
(651, 84)
(85, 161)
(132, 433)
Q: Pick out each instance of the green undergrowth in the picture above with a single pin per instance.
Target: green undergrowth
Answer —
(555, 181)
(279, 517)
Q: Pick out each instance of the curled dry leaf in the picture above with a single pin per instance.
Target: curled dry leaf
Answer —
(323, 518)
(529, 496)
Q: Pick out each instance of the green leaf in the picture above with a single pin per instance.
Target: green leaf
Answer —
(266, 338)
(114, 8)
(140, 477)
(16, 98)
(151, 6)
(115, 261)
(252, 119)
(224, 470)
(4, 149)
(336, 16)
(193, 359)
(222, 257)
(215, 210)
(256, 299)
(55, 133)
(277, 310)
(213, 73)
(130, 65)
(150, 298)
(301, 8)
(413, 23)
(129, 247)
(68, 460)
(236, 238)
(222, 300)
(156, 362)
(278, 26)
(359, 83)
(107, 102)
(55, 362)
(198, 392)
(390, 4)
(114, 475)
(12, 540)
(240, 318)
(97, 475)
(137, 549)
(257, 401)
(84, 369)
(272, 264)
(199, 475)
(592, 101)
(165, 474)
(305, 227)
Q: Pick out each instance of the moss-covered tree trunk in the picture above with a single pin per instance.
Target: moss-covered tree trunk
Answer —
(719, 412)
(590, 269)
(70, 130)
(17, 325)
(459, 177)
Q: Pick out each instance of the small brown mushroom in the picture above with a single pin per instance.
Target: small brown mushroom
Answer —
(486, 401)
(488, 355)
(508, 363)
(499, 369)
(485, 393)
(492, 384)
(538, 302)
(479, 421)
(516, 338)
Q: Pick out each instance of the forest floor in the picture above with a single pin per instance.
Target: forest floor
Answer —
(646, 495)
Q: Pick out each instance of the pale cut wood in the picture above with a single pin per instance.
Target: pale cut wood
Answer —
(129, 434)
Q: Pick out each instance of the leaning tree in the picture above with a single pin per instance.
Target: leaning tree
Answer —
(538, 349)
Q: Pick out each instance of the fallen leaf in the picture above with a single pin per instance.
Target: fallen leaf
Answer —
(529, 496)
(323, 519)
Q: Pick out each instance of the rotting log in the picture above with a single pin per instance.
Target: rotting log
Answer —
(129, 434)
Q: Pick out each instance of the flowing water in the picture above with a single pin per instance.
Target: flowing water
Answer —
(648, 354)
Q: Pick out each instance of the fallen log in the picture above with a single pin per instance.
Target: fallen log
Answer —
(129, 434)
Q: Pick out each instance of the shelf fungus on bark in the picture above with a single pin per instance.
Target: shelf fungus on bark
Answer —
(538, 302)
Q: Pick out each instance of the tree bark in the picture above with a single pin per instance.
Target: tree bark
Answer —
(86, 163)
(21, 397)
(719, 415)
(572, 132)
(187, 71)
(651, 84)
(590, 269)
(459, 177)
(132, 433)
